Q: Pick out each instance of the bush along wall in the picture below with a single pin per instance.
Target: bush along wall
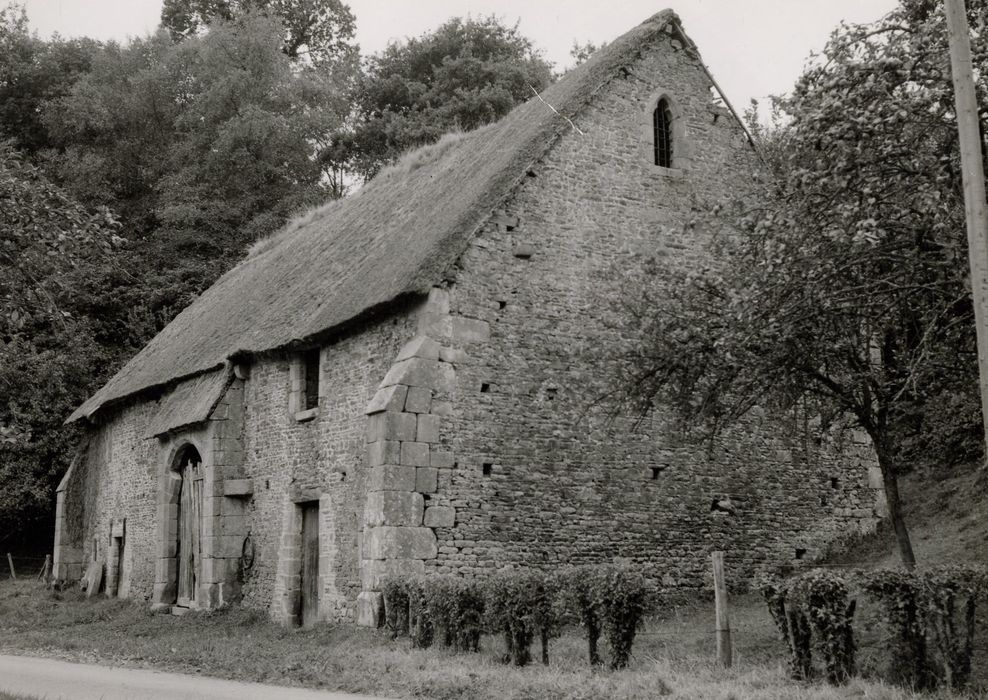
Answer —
(521, 605)
(930, 614)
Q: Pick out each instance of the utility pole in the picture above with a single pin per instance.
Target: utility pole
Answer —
(969, 133)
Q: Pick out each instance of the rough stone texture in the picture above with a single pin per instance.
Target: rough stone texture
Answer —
(567, 485)
(480, 398)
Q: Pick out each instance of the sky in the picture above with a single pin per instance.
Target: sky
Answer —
(754, 48)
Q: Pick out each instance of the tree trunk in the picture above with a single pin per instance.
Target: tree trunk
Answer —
(895, 505)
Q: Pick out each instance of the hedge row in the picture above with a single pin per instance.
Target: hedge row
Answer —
(609, 601)
(930, 613)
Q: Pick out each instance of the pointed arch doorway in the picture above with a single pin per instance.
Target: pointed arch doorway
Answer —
(188, 550)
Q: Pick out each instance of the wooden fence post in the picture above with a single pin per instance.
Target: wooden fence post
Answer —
(45, 570)
(10, 560)
(725, 651)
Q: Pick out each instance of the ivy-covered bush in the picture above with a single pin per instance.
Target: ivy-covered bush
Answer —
(420, 626)
(606, 599)
(898, 595)
(519, 605)
(811, 607)
(822, 598)
(791, 623)
(396, 618)
(932, 616)
(455, 607)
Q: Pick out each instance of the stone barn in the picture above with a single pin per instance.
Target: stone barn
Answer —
(406, 380)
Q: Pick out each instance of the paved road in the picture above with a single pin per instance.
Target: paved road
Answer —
(61, 680)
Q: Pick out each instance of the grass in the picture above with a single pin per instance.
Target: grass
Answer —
(672, 654)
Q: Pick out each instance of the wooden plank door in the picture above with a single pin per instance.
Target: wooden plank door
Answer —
(309, 604)
(189, 518)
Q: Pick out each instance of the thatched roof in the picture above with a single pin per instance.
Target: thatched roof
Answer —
(396, 236)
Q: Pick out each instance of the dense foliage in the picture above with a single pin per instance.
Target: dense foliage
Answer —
(465, 74)
(847, 292)
(931, 615)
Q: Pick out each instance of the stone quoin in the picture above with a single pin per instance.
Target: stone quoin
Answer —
(407, 381)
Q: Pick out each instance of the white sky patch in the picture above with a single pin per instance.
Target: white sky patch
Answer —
(754, 48)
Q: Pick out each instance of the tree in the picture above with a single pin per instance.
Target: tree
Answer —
(33, 72)
(844, 287)
(465, 74)
(49, 359)
(321, 30)
(202, 147)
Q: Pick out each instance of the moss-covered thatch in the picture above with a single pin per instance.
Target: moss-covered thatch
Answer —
(397, 236)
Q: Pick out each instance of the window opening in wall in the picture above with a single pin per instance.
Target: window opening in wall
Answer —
(310, 368)
(656, 471)
(800, 553)
(487, 468)
(501, 304)
(834, 482)
(485, 388)
(662, 133)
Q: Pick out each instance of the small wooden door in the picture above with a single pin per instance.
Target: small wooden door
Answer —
(189, 518)
(309, 603)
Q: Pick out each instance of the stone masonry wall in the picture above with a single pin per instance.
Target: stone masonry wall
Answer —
(540, 476)
(323, 458)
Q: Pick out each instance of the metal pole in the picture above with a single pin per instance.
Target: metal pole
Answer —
(969, 133)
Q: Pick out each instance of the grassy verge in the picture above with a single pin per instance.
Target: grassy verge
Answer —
(672, 655)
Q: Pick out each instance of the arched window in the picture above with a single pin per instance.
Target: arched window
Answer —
(662, 133)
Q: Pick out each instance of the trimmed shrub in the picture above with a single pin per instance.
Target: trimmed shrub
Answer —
(455, 607)
(812, 607)
(898, 595)
(932, 616)
(420, 627)
(822, 597)
(396, 616)
(606, 599)
(519, 605)
(579, 601)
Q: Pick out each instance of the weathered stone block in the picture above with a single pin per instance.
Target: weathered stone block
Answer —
(390, 398)
(455, 356)
(383, 452)
(370, 609)
(436, 325)
(440, 516)
(441, 459)
(426, 479)
(373, 572)
(419, 399)
(470, 330)
(391, 426)
(875, 478)
(427, 429)
(415, 454)
(238, 487)
(387, 542)
(413, 372)
(391, 478)
(402, 508)
(419, 346)
(442, 408)
(446, 378)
